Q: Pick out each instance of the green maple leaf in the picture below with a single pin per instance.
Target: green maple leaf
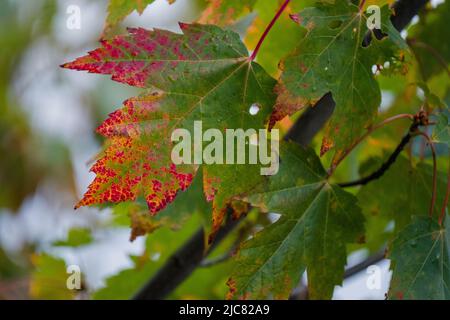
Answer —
(331, 58)
(48, 280)
(429, 42)
(421, 261)
(317, 221)
(204, 74)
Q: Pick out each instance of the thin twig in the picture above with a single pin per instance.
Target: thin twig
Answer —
(369, 132)
(433, 152)
(266, 32)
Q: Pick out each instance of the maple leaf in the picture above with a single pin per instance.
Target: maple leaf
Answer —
(223, 12)
(421, 261)
(427, 37)
(48, 280)
(331, 58)
(119, 9)
(203, 74)
(317, 220)
(76, 237)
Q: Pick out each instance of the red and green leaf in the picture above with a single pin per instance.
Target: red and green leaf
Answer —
(203, 74)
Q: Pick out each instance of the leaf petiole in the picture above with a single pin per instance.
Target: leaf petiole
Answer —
(266, 32)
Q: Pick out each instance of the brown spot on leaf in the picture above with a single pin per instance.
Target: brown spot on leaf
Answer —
(327, 144)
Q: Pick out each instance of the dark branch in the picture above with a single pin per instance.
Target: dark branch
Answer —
(363, 265)
(385, 166)
(420, 119)
(311, 121)
(405, 10)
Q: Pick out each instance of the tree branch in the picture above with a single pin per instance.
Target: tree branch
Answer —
(182, 263)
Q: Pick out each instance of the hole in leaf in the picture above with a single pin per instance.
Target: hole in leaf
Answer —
(254, 109)
(375, 69)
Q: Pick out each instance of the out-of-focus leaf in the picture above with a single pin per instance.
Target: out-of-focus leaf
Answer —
(403, 191)
(429, 40)
(76, 237)
(159, 246)
(225, 12)
(120, 9)
(49, 279)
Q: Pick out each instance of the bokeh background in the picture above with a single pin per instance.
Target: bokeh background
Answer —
(47, 142)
